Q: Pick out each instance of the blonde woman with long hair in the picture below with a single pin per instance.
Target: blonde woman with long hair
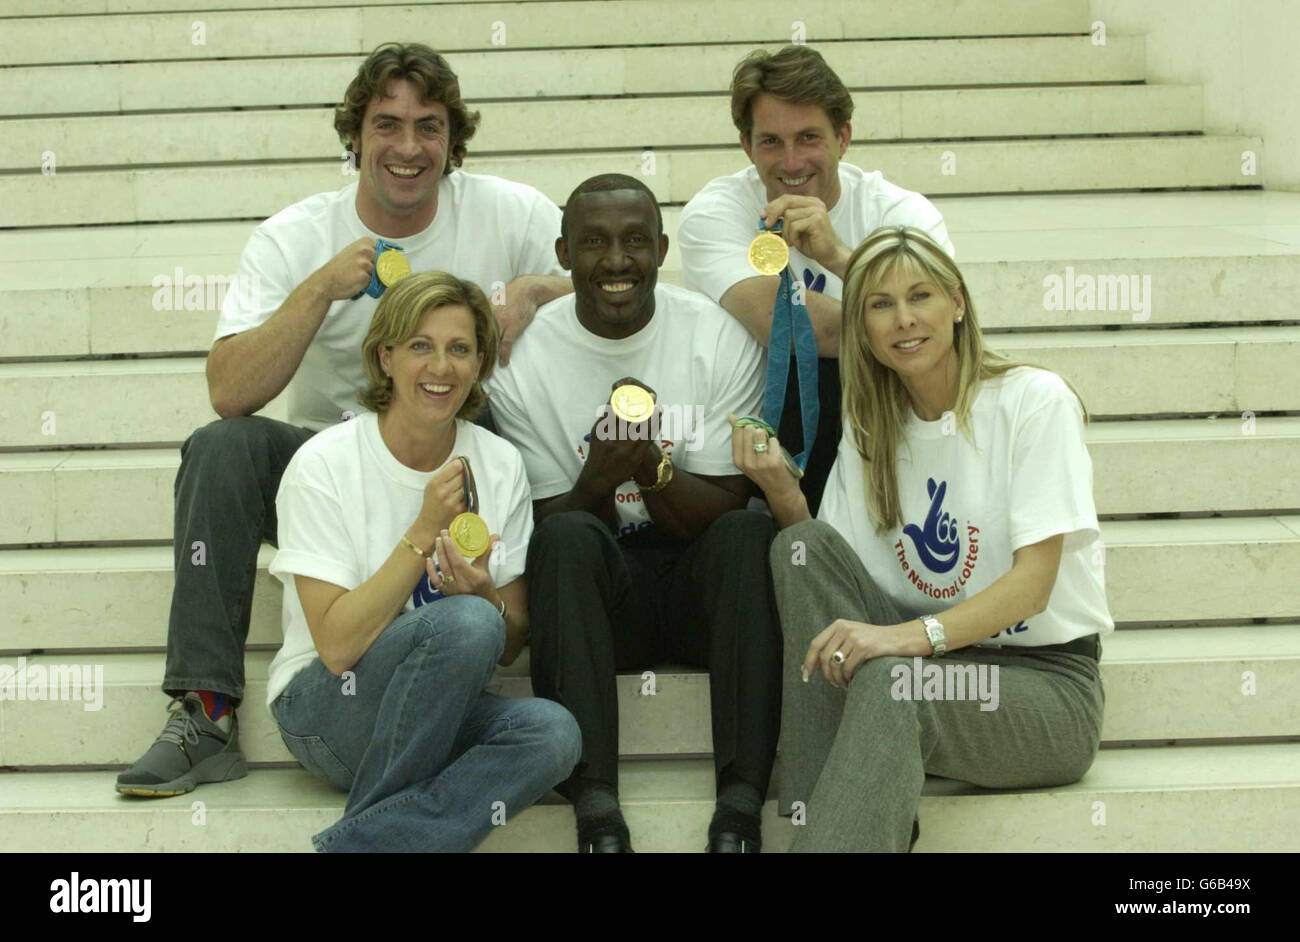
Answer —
(942, 615)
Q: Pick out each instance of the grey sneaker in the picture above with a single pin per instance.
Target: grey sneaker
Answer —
(190, 750)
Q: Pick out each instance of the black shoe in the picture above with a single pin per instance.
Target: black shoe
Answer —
(607, 844)
(916, 832)
(606, 834)
(729, 842)
(734, 833)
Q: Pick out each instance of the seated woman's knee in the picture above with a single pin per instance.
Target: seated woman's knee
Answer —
(559, 730)
(466, 622)
(875, 679)
(792, 547)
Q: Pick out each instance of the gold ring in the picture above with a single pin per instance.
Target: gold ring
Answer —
(838, 657)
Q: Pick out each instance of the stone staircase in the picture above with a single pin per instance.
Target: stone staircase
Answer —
(1047, 154)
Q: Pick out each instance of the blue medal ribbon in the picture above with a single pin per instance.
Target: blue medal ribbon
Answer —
(376, 287)
(791, 327)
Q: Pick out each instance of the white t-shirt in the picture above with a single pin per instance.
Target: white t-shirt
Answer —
(345, 502)
(966, 508)
(721, 220)
(486, 230)
(698, 359)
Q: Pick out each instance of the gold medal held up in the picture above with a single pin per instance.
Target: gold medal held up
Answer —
(469, 533)
(632, 403)
(768, 253)
(392, 267)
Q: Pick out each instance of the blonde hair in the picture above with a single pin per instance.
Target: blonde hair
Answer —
(875, 402)
(397, 318)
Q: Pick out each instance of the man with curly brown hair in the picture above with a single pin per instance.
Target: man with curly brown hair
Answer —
(308, 285)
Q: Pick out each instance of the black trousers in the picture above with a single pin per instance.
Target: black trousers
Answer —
(599, 605)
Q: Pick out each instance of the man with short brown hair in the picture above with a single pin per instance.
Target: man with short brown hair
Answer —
(309, 291)
(793, 114)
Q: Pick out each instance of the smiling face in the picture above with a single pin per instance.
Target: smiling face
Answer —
(613, 249)
(909, 322)
(434, 370)
(795, 149)
(404, 144)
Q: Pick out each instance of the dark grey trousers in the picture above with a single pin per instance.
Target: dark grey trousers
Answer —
(858, 758)
(225, 507)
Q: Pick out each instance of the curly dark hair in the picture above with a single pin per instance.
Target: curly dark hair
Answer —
(424, 67)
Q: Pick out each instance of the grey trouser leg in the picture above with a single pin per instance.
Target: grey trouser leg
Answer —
(858, 758)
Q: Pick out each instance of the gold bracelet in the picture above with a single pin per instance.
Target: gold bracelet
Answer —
(415, 549)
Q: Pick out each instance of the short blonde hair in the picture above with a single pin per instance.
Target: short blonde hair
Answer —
(397, 317)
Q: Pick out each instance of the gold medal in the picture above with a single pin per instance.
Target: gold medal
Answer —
(632, 403)
(469, 534)
(768, 254)
(392, 267)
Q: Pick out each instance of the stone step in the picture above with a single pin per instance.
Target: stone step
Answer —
(1161, 684)
(1211, 257)
(1138, 467)
(90, 7)
(542, 127)
(563, 73)
(1159, 571)
(1131, 800)
(175, 194)
(1118, 373)
(461, 26)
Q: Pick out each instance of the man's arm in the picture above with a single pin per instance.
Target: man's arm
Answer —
(523, 296)
(247, 370)
(691, 503)
(751, 301)
(581, 498)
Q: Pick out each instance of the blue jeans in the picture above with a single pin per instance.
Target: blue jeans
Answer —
(430, 761)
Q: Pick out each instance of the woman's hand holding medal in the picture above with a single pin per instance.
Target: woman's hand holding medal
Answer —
(444, 499)
(758, 454)
(453, 574)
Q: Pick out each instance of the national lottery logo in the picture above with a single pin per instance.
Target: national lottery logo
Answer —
(937, 545)
(937, 541)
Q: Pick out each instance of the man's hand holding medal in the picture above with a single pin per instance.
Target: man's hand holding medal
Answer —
(805, 223)
(623, 457)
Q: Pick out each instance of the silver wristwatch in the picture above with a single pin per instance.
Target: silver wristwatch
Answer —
(934, 631)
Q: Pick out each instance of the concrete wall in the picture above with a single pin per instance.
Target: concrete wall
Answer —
(1243, 52)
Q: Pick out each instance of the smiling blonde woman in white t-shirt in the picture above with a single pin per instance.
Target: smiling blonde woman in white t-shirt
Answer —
(390, 633)
(942, 614)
